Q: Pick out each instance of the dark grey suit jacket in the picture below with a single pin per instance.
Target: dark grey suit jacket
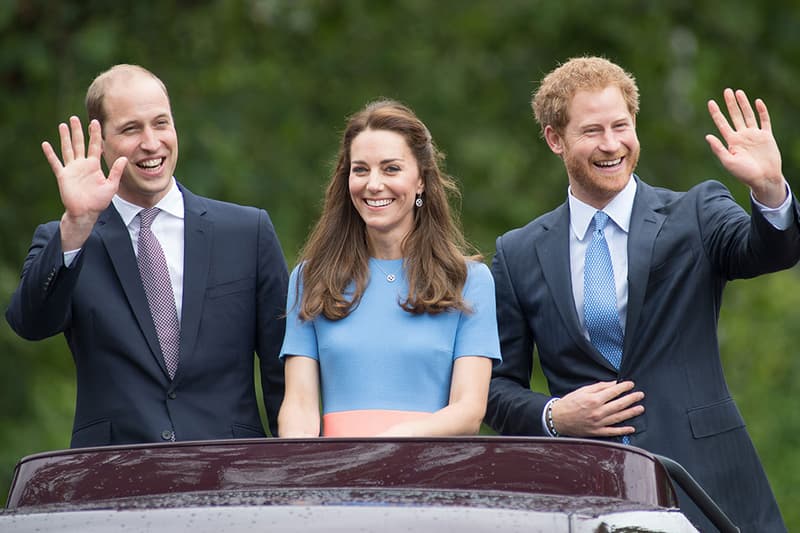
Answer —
(234, 294)
(682, 250)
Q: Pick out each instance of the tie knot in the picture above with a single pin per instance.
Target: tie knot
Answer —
(148, 215)
(600, 219)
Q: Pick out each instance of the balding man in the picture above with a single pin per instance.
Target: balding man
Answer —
(163, 296)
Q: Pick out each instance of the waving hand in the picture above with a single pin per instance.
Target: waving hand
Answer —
(749, 151)
(85, 191)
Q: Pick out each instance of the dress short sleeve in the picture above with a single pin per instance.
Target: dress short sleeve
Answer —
(477, 330)
(301, 336)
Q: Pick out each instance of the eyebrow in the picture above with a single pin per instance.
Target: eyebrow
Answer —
(136, 121)
(127, 123)
(612, 122)
(382, 162)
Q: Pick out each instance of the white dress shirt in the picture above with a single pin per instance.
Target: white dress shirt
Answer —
(619, 211)
(168, 229)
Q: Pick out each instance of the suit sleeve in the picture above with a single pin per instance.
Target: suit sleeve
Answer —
(41, 305)
(513, 409)
(742, 246)
(273, 278)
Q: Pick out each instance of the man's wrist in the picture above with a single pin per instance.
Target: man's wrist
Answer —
(772, 197)
(548, 418)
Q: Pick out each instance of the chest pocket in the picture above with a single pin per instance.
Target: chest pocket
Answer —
(231, 287)
(672, 264)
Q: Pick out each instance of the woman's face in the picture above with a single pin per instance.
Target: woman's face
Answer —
(384, 181)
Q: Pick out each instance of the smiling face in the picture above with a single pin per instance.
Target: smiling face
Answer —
(138, 125)
(384, 181)
(599, 145)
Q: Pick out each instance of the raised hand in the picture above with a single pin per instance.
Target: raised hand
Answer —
(593, 410)
(85, 191)
(750, 151)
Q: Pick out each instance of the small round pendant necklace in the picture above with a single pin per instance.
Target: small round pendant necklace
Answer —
(389, 277)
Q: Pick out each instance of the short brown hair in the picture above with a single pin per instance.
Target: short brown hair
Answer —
(551, 101)
(97, 90)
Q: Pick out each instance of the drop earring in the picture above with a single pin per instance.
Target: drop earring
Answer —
(418, 202)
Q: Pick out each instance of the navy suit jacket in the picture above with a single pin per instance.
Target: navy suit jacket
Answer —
(234, 295)
(682, 249)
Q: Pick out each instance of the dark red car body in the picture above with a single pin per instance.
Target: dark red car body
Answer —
(515, 484)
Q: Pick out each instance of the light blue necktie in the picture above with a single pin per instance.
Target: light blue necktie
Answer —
(600, 298)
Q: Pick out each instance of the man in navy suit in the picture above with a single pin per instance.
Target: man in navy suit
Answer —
(670, 255)
(224, 282)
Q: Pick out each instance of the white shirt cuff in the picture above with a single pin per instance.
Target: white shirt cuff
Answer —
(780, 217)
(70, 256)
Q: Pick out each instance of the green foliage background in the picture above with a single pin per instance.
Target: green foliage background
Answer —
(260, 90)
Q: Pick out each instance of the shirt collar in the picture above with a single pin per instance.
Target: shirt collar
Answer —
(619, 210)
(172, 203)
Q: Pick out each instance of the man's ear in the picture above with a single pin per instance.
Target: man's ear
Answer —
(554, 140)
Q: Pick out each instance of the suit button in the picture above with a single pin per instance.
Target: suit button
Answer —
(168, 435)
(172, 395)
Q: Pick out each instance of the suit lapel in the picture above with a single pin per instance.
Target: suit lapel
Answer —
(645, 224)
(197, 258)
(117, 241)
(553, 252)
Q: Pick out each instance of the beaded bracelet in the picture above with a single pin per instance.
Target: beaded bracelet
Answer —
(551, 427)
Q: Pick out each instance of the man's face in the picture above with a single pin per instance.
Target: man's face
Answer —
(139, 126)
(599, 145)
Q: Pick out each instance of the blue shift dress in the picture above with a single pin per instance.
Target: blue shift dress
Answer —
(381, 364)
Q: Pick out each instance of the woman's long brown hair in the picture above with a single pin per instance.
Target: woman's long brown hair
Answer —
(337, 251)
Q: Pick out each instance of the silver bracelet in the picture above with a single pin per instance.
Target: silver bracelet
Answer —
(551, 427)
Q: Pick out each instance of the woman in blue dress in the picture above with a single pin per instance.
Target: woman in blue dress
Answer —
(390, 326)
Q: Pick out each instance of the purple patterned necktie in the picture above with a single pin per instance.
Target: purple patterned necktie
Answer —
(155, 278)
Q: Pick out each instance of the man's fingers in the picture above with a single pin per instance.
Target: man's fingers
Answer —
(733, 109)
(607, 426)
(78, 147)
(599, 386)
(599, 394)
(614, 390)
(95, 139)
(763, 115)
(613, 431)
(718, 117)
(622, 408)
(743, 104)
(66, 144)
(621, 415)
(115, 172)
(52, 158)
(626, 400)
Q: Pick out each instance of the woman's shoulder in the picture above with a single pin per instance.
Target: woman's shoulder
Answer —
(296, 276)
(477, 268)
(478, 273)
